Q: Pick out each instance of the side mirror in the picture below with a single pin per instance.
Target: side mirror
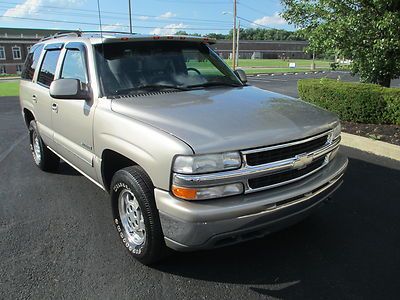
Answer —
(66, 88)
(241, 74)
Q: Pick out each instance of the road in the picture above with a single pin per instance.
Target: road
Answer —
(57, 239)
(287, 84)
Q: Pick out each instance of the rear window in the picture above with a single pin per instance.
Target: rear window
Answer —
(48, 69)
(31, 62)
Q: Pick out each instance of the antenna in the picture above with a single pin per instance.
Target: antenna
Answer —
(101, 29)
(102, 46)
(130, 17)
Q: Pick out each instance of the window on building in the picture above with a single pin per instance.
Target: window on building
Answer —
(2, 53)
(74, 66)
(2, 69)
(16, 51)
(31, 62)
(19, 69)
(48, 68)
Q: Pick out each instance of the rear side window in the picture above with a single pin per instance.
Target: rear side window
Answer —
(48, 69)
(74, 66)
(31, 62)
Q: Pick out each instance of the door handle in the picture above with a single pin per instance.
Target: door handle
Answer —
(54, 107)
(34, 98)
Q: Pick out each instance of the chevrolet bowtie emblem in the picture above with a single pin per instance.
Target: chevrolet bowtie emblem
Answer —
(302, 161)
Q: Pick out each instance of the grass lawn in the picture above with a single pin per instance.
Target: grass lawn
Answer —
(9, 88)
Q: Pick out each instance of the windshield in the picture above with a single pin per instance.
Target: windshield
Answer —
(132, 67)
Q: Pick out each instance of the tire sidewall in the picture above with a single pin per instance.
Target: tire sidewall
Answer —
(32, 130)
(124, 181)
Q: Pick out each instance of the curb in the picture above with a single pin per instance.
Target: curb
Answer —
(372, 146)
(9, 78)
(289, 73)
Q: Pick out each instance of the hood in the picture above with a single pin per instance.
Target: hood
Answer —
(224, 119)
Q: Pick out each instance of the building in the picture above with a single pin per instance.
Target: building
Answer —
(264, 49)
(14, 47)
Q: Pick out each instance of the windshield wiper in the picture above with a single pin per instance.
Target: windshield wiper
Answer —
(207, 84)
(150, 86)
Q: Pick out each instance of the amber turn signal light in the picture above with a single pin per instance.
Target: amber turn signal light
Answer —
(184, 193)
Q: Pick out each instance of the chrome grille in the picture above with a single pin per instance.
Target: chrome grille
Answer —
(290, 162)
(259, 158)
(271, 180)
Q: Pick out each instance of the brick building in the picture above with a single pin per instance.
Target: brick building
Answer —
(264, 49)
(14, 47)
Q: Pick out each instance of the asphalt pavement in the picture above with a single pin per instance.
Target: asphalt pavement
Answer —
(57, 238)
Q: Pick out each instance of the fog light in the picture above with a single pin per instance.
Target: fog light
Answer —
(207, 193)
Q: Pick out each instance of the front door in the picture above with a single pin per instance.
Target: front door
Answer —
(73, 119)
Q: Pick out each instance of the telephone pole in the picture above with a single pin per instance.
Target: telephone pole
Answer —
(237, 44)
(130, 17)
(234, 35)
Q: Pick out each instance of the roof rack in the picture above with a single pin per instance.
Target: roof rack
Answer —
(61, 34)
(79, 33)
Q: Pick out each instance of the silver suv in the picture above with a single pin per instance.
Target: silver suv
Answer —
(191, 155)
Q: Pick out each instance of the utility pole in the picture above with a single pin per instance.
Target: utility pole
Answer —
(237, 44)
(130, 17)
(234, 35)
(313, 61)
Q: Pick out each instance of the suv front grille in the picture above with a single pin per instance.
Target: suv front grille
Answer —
(270, 180)
(259, 158)
(272, 166)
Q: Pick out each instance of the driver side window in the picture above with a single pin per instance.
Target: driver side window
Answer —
(74, 66)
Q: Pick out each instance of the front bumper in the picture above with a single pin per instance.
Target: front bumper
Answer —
(219, 222)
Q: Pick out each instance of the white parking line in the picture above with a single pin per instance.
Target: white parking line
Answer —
(11, 148)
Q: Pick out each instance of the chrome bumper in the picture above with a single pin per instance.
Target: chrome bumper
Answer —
(219, 222)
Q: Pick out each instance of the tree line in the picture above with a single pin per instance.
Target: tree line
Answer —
(254, 34)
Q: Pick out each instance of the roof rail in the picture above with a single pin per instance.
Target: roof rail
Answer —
(61, 34)
(105, 31)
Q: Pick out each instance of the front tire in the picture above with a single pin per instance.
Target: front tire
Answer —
(136, 216)
(42, 156)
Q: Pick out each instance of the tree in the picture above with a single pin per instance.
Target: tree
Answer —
(181, 32)
(366, 31)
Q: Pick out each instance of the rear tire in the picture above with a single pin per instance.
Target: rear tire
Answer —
(136, 216)
(42, 156)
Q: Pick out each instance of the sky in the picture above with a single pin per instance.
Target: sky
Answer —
(148, 16)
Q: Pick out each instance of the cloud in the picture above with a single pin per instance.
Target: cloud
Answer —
(143, 18)
(32, 7)
(168, 29)
(167, 15)
(114, 27)
(276, 19)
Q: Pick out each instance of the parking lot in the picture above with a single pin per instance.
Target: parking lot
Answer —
(58, 239)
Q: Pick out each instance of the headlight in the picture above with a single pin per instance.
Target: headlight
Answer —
(207, 192)
(336, 132)
(198, 164)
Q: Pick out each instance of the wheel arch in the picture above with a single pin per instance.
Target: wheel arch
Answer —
(111, 162)
(28, 116)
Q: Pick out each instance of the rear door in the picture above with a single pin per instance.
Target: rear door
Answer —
(42, 102)
(73, 118)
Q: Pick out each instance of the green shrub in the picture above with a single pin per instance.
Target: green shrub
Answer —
(356, 102)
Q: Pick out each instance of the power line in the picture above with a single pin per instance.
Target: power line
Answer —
(253, 9)
(251, 22)
(123, 26)
(124, 18)
(159, 18)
